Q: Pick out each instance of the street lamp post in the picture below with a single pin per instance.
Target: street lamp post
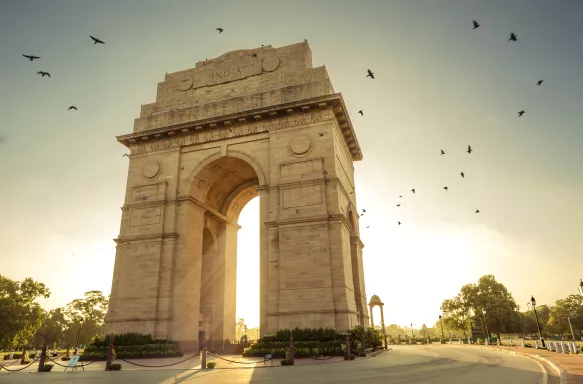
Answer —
(540, 335)
(486, 324)
(441, 321)
(581, 287)
(411, 331)
(79, 332)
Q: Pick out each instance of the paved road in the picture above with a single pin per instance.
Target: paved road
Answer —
(416, 364)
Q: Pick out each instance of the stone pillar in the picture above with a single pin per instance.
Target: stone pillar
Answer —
(371, 317)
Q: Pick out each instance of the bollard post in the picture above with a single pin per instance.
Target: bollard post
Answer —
(43, 354)
(523, 342)
(203, 354)
(497, 341)
(511, 342)
(291, 350)
(536, 344)
(109, 354)
(574, 347)
(23, 353)
(348, 354)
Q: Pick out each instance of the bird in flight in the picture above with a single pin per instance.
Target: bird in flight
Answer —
(361, 113)
(370, 74)
(477, 211)
(476, 24)
(220, 30)
(31, 57)
(413, 190)
(400, 196)
(368, 226)
(521, 113)
(43, 73)
(445, 188)
(254, 55)
(462, 175)
(538, 83)
(442, 152)
(469, 150)
(125, 154)
(399, 222)
(363, 210)
(512, 37)
(321, 134)
(72, 107)
(96, 40)
(398, 205)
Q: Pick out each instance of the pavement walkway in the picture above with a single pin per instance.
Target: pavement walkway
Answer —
(572, 364)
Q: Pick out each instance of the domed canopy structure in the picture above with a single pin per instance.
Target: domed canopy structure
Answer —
(375, 300)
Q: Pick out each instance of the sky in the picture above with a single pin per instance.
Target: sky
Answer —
(438, 85)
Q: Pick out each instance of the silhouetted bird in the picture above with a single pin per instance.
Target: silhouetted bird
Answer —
(363, 210)
(254, 55)
(72, 107)
(43, 73)
(398, 205)
(538, 83)
(521, 113)
(368, 226)
(462, 175)
(400, 196)
(413, 190)
(399, 222)
(361, 113)
(512, 37)
(96, 40)
(220, 30)
(321, 134)
(31, 57)
(370, 74)
(443, 153)
(476, 24)
(477, 211)
(125, 154)
(445, 188)
(469, 150)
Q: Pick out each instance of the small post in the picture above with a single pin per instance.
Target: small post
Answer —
(523, 342)
(23, 354)
(43, 354)
(109, 354)
(203, 353)
(291, 350)
(536, 344)
(348, 354)
(497, 341)
(67, 353)
(450, 340)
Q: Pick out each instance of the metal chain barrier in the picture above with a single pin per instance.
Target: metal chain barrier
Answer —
(16, 370)
(156, 366)
(239, 362)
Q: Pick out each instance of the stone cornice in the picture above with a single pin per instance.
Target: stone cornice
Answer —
(334, 101)
(156, 236)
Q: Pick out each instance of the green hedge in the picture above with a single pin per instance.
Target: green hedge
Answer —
(127, 339)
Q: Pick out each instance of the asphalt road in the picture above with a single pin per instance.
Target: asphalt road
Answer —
(406, 364)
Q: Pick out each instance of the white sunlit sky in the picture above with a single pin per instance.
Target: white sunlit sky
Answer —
(438, 85)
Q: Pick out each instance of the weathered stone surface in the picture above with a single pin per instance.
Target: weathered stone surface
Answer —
(249, 123)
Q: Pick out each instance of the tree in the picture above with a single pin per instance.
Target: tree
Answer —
(569, 307)
(241, 328)
(489, 296)
(20, 314)
(424, 331)
(86, 317)
(53, 328)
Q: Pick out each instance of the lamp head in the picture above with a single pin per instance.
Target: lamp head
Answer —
(532, 301)
(439, 317)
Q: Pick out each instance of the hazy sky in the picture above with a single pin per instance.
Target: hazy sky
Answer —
(439, 85)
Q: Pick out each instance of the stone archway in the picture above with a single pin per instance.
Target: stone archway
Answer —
(249, 123)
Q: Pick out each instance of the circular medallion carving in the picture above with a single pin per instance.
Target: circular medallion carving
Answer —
(270, 63)
(152, 169)
(185, 84)
(300, 145)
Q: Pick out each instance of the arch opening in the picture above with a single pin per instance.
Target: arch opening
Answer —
(223, 187)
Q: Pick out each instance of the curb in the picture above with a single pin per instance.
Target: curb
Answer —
(560, 371)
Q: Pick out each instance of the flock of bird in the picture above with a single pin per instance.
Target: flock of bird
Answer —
(43, 73)
(370, 74)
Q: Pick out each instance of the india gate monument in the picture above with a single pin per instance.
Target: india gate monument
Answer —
(259, 122)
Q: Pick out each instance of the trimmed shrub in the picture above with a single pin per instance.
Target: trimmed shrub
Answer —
(286, 362)
(130, 339)
(115, 367)
(211, 364)
(362, 354)
(47, 368)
